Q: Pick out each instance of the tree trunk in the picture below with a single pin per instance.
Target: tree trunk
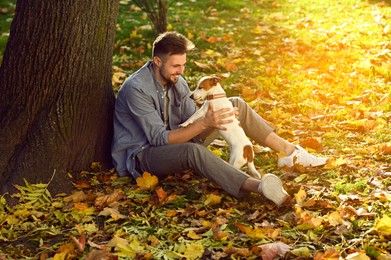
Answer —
(56, 98)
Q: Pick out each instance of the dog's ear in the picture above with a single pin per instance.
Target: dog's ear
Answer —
(215, 79)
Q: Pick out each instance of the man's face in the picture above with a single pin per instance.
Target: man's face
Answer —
(170, 68)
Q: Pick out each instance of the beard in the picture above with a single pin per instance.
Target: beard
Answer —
(169, 78)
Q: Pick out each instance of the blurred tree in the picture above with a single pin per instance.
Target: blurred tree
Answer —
(56, 98)
(157, 13)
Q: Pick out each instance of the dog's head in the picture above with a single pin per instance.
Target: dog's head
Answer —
(204, 87)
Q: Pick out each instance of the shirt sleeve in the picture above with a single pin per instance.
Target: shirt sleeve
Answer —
(145, 109)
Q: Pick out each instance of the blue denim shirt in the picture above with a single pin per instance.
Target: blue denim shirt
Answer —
(139, 116)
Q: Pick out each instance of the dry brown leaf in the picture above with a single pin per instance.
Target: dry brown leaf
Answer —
(105, 200)
(162, 195)
(80, 196)
(312, 143)
(272, 250)
(202, 65)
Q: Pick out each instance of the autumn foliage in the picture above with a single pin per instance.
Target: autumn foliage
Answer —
(318, 71)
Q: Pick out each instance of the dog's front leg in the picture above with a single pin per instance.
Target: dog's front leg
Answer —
(197, 115)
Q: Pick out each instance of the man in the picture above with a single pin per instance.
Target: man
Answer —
(155, 100)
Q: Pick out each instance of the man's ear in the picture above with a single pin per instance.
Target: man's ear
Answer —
(157, 61)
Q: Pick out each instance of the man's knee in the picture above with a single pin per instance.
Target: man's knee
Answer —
(237, 102)
(193, 148)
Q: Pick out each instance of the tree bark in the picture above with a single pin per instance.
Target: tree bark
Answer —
(56, 98)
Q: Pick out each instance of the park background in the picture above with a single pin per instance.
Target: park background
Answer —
(319, 71)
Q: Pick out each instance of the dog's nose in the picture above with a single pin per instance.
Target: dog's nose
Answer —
(192, 96)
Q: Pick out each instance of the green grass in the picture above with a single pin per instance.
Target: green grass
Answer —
(301, 60)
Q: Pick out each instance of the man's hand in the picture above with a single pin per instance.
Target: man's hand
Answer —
(217, 119)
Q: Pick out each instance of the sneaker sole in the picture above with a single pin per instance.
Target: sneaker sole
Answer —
(272, 189)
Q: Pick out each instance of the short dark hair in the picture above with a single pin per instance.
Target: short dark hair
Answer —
(171, 43)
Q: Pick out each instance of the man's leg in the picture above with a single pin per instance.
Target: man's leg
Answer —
(261, 132)
(169, 159)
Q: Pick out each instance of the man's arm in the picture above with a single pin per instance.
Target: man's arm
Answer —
(212, 120)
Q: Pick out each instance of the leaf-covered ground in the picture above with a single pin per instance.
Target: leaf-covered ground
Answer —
(319, 71)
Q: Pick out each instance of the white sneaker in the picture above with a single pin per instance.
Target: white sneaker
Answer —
(302, 157)
(271, 188)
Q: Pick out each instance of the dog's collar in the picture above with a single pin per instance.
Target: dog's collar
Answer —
(214, 96)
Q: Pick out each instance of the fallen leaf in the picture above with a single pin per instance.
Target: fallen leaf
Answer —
(272, 250)
(201, 65)
(330, 254)
(383, 226)
(312, 143)
(194, 251)
(105, 200)
(357, 256)
(113, 213)
(147, 182)
(300, 196)
(193, 235)
(80, 242)
(253, 232)
(301, 252)
(79, 196)
(212, 199)
(162, 195)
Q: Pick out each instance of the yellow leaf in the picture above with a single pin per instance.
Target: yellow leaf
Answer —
(250, 231)
(193, 235)
(130, 249)
(301, 178)
(61, 256)
(217, 152)
(206, 223)
(116, 241)
(300, 196)
(22, 212)
(383, 226)
(194, 251)
(65, 251)
(335, 219)
(90, 228)
(12, 220)
(147, 182)
(257, 30)
(212, 199)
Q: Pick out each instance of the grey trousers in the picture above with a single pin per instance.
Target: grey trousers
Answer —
(169, 159)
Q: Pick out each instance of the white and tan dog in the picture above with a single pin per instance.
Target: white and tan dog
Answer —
(209, 90)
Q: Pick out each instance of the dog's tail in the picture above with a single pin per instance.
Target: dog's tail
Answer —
(248, 154)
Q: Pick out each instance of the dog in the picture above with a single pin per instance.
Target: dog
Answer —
(209, 90)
